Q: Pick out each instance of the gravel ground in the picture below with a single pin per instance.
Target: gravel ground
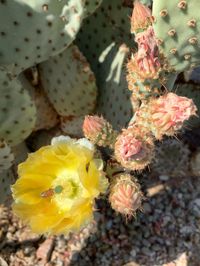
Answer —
(166, 233)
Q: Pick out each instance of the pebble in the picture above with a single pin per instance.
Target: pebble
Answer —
(109, 225)
(195, 207)
(146, 243)
(156, 247)
(146, 251)
(166, 220)
(186, 230)
(133, 253)
(146, 207)
(29, 250)
(45, 249)
(3, 262)
(164, 177)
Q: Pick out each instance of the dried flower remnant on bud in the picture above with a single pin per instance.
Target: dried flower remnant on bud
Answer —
(144, 64)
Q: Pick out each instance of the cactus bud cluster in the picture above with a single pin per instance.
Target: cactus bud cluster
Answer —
(145, 64)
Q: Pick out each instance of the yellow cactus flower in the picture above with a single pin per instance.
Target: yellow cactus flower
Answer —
(57, 186)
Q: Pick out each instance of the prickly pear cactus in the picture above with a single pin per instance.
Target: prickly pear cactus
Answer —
(107, 54)
(32, 31)
(6, 156)
(6, 180)
(177, 27)
(91, 6)
(146, 2)
(69, 83)
(17, 110)
(46, 116)
(114, 99)
(72, 126)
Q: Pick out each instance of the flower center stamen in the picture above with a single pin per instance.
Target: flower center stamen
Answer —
(58, 189)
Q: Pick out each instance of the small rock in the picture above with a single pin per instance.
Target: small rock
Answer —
(169, 264)
(152, 191)
(182, 260)
(164, 177)
(133, 253)
(44, 251)
(146, 251)
(166, 220)
(146, 207)
(109, 225)
(132, 263)
(29, 250)
(3, 262)
(195, 207)
(186, 230)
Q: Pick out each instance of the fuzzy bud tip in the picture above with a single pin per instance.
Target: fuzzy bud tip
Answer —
(141, 17)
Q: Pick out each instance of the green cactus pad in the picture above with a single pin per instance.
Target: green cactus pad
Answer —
(32, 31)
(104, 37)
(171, 158)
(69, 83)
(91, 6)
(177, 27)
(46, 116)
(72, 126)
(17, 110)
(114, 100)
(6, 180)
(193, 92)
(146, 2)
(6, 156)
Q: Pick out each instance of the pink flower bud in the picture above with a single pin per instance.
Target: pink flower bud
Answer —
(130, 147)
(141, 17)
(92, 125)
(125, 196)
(98, 130)
(131, 150)
(165, 115)
(169, 112)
